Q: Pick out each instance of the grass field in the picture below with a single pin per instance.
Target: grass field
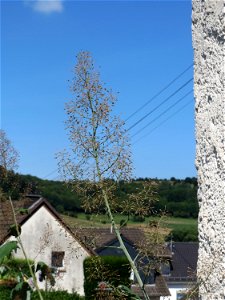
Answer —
(83, 220)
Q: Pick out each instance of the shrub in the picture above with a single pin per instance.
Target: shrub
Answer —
(105, 272)
(60, 209)
(138, 219)
(185, 235)
(72, 214)
(88, 217)
(5, 292)
(53, 295)
(15, 267)
(57, 295)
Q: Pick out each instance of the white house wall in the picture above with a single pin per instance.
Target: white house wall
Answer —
(41, 234)
(174, 288)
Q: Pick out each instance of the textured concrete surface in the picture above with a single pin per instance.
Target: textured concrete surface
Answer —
(208, 26)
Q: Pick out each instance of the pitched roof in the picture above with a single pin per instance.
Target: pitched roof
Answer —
(6, 215)
(32, 204)
(184, 261)
(100, 237)
(154, 290)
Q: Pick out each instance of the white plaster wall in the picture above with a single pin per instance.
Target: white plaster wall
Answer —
(41, 235)
(208, 24)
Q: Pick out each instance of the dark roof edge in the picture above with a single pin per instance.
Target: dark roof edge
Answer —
(114, 239)
(35, 207)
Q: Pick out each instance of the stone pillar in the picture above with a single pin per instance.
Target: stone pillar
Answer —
(208, 26)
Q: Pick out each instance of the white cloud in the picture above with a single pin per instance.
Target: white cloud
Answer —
(46, 6)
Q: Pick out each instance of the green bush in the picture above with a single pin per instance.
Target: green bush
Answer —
(15, 267)
(56, 295)
(138, 219)
(110, 270)
(88, 217)
(5, 293)
(53, 295)
(185, 235)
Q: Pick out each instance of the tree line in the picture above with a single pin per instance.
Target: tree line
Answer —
(177, 197)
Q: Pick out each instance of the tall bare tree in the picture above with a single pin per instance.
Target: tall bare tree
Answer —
(99, 146)
(9, 157)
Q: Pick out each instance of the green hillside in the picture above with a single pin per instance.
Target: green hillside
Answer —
(176, 197)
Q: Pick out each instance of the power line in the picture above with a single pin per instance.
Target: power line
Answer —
(159, 93)
(57, 177)
(50, 173)
(150, 100)
(163, 113)
(164, 121)
(164, 101)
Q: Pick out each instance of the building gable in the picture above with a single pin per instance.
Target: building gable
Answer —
(44, 234)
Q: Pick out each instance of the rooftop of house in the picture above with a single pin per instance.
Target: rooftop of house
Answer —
(99, 238)
(24, 209)
(6, 215)
(156, 290)
(184, 262)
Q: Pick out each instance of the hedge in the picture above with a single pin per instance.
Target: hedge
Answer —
(53, 295)
(57, 295)
(105, 274)
(185, 235)
(5, 293)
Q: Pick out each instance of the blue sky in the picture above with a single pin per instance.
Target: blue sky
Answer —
(139, 46)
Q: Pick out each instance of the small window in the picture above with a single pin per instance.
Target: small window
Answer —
(165, 268)
(58, 259)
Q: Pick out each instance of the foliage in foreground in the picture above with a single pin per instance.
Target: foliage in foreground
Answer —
(12, 268)
(58, 295)
(104, 274)
(53, 295)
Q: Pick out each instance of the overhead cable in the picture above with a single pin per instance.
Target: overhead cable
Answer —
(159, 93)
(164, 121)
(146, 103)
(163, 113)
(54, 171)
(159, 105)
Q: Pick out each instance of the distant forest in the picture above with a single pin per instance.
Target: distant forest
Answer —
(175, 196)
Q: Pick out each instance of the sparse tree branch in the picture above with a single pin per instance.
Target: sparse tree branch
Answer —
(9, 157)
(100, 142)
